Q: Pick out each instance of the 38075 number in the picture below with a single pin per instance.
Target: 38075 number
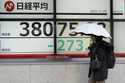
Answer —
(45, 28)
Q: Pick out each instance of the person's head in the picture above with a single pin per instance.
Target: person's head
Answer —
(96, 39)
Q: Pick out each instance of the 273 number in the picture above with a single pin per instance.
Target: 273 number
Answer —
(68, 45)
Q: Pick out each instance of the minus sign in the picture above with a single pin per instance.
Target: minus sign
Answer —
(50, 45)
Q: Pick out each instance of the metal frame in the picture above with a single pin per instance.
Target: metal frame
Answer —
(111, 21)
(55, 28)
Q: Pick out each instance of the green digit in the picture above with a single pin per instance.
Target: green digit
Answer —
(70, 42)
(79, 44)
(61, 45)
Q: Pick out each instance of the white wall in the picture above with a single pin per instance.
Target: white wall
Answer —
(55, 72)
(119, 39)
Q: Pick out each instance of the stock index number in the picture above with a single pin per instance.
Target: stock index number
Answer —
(46, 28)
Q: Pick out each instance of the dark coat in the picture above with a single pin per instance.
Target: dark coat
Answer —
(101, 73)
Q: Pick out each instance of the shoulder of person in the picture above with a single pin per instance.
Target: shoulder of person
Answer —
(107, 45)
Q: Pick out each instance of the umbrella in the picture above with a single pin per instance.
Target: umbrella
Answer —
(92, 29)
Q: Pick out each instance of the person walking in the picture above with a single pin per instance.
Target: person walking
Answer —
(98, 70)
(101, 52)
